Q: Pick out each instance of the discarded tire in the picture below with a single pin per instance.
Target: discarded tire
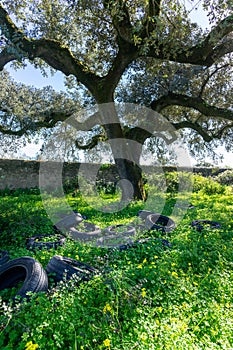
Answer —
(116, 236)
(4, 257)
(139, 227)
(85, 232)
(26, 270)
(200, 224)
(120, 229)
(160, 223)
(144, 213)
(65, 268)
(36, 242)
(69, 221)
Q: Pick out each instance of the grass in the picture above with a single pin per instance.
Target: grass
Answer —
(147, 297)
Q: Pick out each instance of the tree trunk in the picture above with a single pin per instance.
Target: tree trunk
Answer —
(126, 155)
(131, 183)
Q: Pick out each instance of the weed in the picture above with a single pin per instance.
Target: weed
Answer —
(146, 297)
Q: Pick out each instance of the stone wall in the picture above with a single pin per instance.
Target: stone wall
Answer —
(25, 174)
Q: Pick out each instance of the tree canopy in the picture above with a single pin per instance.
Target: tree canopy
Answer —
(143, 51)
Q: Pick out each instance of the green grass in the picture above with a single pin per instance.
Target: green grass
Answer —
(149, 297)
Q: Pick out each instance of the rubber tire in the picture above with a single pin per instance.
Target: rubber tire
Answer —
(66, 267)
(4, 256)
(144, 213)
(110, 233)
(160, 223)
(33, 244)
(199, 224)
(69, 221)
(24, 269)
(130, 230)
(92, 231)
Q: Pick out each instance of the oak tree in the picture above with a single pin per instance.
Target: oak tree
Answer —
(143, 51)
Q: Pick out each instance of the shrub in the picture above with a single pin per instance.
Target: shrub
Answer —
(225, 178)
(172, 181)
(207, 185)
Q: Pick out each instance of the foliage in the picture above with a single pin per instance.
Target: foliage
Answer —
(225, 178)
(208, 185)
(149, 297)
(144, 52)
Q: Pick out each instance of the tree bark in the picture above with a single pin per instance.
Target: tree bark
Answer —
(126, 155)
(133, 185)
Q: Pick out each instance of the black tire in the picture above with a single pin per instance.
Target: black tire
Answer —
(113, 230)
(4, 257)
(36, 243)
(160, 223)
(64, 267)
(87, 233)
(138, 227)
(24, 269)
(69, 221)
(144, 213)
(112, 238)
(200, 224)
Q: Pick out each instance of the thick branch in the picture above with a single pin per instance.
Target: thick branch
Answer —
(194, 126)
(214, 46)
(210, 49)
(49, 119)
(199, 129)
(24, 130)
(191, 102)
(51, 51)
(149, 22)
(137, 134)
(209, 76)
(122, 60)
(6, 57)
(88, 124)
(93, 143)
(221, 131)
(121, 19)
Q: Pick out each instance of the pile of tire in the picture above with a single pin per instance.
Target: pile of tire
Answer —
(201, 224)
(34, 277)
(149, 221)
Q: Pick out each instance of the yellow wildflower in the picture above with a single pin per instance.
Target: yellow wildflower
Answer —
(144, 261)
(140, 266)
(174, 274)
(107, 343)
(107, 308)
(143, 337)
(143, 292)
(31, 346)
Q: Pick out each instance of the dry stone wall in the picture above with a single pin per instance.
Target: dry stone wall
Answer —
(25, 173)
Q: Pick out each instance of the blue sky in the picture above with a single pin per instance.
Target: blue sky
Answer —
(32, 76)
